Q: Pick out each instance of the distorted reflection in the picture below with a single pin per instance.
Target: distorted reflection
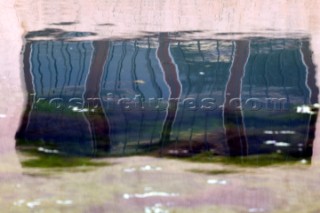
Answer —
(161, 94)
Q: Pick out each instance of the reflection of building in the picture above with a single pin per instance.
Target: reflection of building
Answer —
(105, 96)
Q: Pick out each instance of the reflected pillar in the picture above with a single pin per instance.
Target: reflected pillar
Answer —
(97, 119)
(171, 78)
(232, 112)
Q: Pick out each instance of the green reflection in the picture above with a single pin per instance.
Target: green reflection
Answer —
(214, 172)
(249, 161)
(44, 160)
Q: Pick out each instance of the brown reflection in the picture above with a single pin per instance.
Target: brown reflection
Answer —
(172, 79)
(49, 128)
(232, 113)
(98, 121)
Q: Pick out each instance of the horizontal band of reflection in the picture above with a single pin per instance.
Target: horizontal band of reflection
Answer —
(161, 104)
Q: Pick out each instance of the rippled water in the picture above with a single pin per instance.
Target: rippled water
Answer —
(164, 94)
(206, 106)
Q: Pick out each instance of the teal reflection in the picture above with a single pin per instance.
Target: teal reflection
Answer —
(167, 96)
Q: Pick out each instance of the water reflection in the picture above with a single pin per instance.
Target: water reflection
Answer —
(169, 96)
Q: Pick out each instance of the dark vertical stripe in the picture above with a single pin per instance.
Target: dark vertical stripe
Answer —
(117, 84)
(71, 67)
(171, 78)
(265, 73)
(65, 70)
(39, 70)
(49, 68)
(55, 66)
(83, 61)
(77, 80)
(98, 121)
(233, 118)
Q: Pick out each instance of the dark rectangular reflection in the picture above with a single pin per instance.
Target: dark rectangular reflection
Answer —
(153, 94)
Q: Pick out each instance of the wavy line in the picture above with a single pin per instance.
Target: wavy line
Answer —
(54, 65)
(117, 84)
(83, 60)
(152, 72)
(282, 76)
(108, 66)
(39, 68)
(65, 70)
(49, 68)
(70, 64)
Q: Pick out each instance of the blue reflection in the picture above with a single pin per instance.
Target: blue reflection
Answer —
(157, 94)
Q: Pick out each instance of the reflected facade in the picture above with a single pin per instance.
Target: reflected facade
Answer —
(163, 95)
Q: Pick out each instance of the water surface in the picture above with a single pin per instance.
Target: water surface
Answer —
(167, 95)
(94, 93)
